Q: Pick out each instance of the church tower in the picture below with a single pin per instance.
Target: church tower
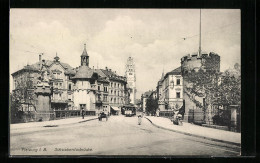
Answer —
(84, 57)
(131, 79)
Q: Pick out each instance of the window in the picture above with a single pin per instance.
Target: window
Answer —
(105, 89)
(178, 81)
(111, 99)
(55, 96)
(130, 73)
(111, 91)
(99, 87)
(69, 86)
(114, 100)
(105, 98)
(115, 92)
(178, 95)
(82, 83)
(69, 97)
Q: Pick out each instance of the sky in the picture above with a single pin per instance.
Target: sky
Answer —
(153, 37)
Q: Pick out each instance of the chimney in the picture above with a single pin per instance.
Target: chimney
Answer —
(106, 68)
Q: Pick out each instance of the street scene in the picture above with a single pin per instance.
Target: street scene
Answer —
(117, 136)
(120, 82)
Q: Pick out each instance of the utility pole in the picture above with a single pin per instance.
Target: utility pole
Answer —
(200, 36)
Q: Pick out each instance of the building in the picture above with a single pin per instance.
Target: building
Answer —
(59, 73)
(131, 79)
(170, 90)
(144, 97)
(85, 82)
(116, 93)
(73, 88)
(159, 94)
(205, 62)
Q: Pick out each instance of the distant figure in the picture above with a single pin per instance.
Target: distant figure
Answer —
(82, 113)
(139, 119)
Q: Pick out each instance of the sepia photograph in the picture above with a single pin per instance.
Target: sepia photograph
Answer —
(125, 82)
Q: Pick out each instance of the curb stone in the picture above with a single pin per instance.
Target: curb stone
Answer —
(189, 134)
(87, 120)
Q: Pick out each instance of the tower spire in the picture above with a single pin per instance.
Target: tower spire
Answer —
(200, 36)
(84, 57)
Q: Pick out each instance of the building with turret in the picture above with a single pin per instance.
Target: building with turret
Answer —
(205, 62)
(131, 79)
(77, 88)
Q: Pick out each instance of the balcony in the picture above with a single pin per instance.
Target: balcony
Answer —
(59, 101)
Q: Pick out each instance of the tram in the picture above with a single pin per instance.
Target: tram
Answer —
(129, 110)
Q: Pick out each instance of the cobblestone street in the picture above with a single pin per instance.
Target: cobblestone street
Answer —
(118, 136)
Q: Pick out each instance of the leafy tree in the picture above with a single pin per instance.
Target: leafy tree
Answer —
(151, 105)
(14, 109)
(220, 89)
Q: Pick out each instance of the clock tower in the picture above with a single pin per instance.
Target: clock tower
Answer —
(131, 79)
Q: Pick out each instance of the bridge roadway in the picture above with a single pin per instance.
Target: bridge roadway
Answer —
(118, 136)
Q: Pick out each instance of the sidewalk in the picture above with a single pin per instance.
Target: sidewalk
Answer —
(51, 123)
(197, 131)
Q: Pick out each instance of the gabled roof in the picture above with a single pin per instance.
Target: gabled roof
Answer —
(176, 71)
(148, 93)
(100, 73)
(112, 75)
(36, 67)
(108, 73)
(26, 68)
(84, 72)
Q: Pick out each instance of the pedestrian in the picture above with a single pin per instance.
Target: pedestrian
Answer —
(139, 119)
(82, 113)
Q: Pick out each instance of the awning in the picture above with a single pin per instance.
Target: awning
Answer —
(115, 108)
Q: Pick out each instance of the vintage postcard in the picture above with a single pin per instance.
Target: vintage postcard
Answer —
(125, 82)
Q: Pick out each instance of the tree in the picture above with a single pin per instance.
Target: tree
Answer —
(15, 112)
(221, 89)
(151, 105)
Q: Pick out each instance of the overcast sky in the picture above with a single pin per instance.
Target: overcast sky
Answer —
(153, 37)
